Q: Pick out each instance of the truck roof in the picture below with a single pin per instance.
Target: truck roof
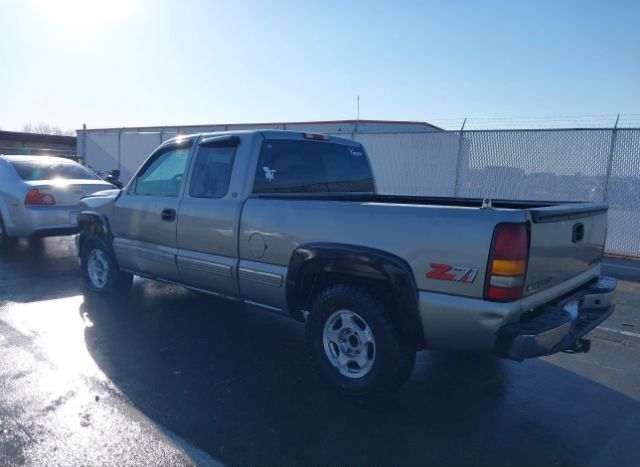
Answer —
(267, 133)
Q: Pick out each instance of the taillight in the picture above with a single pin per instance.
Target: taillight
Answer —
(507, 263)
(36, 198)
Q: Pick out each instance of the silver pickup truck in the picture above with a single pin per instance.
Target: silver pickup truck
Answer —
(291, 222)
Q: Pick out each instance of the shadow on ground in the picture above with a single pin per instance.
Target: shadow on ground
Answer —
(237, 383)
(48, 267)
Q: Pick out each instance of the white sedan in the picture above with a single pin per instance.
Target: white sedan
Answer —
(39, 195)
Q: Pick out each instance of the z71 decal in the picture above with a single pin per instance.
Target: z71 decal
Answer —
(447, 272)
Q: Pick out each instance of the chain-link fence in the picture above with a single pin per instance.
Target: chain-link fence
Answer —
(548, 165)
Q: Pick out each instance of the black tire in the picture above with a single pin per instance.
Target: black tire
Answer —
(5, 240)
(393, 357)
(3, 234)
(113, 280)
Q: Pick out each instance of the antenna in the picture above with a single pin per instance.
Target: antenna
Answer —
(357, 112)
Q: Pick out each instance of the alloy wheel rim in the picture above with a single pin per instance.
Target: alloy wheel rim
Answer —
(349, 343)
(98, 268)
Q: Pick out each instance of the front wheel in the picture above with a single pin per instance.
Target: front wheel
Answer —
(355, 343)
(100, 270)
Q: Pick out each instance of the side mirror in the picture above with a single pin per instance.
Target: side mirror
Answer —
(112, 177)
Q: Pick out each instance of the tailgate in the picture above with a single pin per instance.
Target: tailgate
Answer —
(566, 240)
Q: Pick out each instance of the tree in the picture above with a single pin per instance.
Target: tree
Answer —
(46, 129)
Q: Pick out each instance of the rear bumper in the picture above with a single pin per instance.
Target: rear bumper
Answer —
(558, 326)
(42, 221)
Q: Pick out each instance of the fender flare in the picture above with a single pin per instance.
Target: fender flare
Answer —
(367, 263)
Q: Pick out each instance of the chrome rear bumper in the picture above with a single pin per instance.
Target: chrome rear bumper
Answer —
(559, 326)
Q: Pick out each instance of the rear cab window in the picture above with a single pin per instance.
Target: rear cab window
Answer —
(302, 166)
(31, 170)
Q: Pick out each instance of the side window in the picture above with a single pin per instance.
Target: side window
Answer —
(212, 171)
(163, 176)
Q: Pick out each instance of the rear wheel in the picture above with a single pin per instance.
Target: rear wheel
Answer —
(5, 240)
(100, 269)
(355, 343)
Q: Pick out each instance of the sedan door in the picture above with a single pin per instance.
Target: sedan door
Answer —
(144, 220)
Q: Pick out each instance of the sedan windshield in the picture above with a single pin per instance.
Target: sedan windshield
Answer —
(48, 170)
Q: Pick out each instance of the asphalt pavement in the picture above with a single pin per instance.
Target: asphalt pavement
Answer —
(165, 376)
(626, 269)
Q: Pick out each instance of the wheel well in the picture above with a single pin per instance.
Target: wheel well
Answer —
(92, 225)
(318, 281)
(388, 278)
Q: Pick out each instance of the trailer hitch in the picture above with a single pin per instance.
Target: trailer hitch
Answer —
(579, 346)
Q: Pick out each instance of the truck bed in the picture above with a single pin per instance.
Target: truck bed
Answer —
(452, 233)
(424, 200)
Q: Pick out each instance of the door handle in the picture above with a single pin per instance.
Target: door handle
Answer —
(168, 215)
(578, 232)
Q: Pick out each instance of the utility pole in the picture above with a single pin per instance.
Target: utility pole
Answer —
(456, 187)
(612, 148)
(83, 144)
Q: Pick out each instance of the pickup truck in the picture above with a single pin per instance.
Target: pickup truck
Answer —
(291, 222)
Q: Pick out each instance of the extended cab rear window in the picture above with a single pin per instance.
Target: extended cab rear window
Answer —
(51, 170)
(301, 166)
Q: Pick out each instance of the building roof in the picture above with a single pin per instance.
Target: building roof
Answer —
(283, 124)
(37, 138)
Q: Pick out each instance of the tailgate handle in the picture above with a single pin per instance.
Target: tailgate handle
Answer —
(578, 232)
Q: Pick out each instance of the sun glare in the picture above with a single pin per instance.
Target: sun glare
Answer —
(80, 12)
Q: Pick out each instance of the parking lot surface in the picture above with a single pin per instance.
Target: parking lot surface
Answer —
(165, 376)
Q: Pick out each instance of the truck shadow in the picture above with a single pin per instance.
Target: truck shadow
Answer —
(237, 383)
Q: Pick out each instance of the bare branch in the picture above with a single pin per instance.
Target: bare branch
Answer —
(46, 129)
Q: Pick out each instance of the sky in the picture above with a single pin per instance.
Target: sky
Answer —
(113, 63)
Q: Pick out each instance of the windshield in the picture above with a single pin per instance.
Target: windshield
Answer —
(50, 170)
(296, 166)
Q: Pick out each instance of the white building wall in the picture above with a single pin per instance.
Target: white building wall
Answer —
(134, 150)
(100, 150)
(413, 163)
